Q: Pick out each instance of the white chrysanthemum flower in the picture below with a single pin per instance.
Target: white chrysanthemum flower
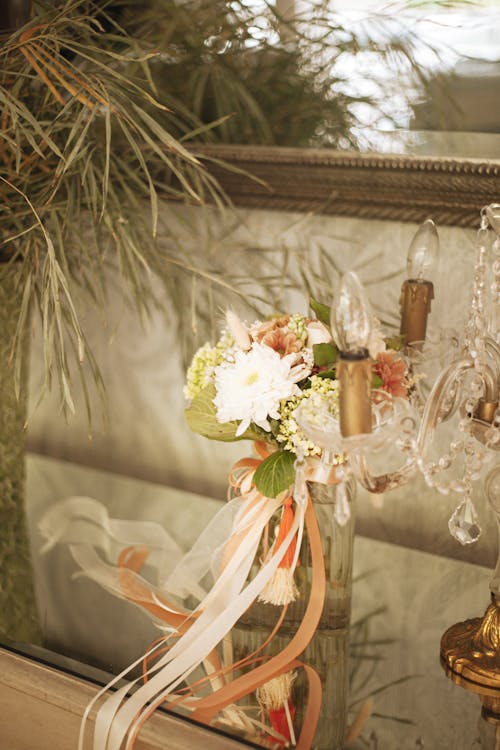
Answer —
(252, 387)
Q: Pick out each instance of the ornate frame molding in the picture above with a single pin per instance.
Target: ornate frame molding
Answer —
(399, 188)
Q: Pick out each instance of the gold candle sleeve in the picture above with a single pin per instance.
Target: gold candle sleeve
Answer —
(415, 301)
(486, 410)
(355, 377)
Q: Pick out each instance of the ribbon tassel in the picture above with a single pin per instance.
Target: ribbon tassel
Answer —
(281, 589)
(275, 698)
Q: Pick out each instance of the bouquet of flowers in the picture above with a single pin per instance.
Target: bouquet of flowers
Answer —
(251, 383)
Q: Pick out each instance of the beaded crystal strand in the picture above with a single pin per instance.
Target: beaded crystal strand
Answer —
(479, 343)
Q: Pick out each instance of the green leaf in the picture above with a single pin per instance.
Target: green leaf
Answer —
(377, 381)
(322, 311)
(324, 354)
(275, 474)
(395, 342)
(201, 416)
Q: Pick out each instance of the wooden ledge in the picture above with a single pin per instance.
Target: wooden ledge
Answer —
(41, 707)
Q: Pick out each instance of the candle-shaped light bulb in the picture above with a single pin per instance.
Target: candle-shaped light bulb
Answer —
(351, 328)
(423, 252)
(351, 318)
(417, 291)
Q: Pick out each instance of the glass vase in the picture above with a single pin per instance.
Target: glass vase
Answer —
(328, 652)
(18, 615)
(338, 546)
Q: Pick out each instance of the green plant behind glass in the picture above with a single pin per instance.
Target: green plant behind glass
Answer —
(225, 58)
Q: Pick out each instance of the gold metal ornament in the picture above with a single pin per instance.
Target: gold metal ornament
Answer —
(486, 410)
(482, 421)
(470, 654)
(415, 301)
(355, 377)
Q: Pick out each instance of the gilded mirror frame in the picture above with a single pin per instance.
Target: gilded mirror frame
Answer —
(371, 186)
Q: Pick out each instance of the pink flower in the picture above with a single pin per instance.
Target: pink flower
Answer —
(269, 326)
(282, 342)
(392, 372)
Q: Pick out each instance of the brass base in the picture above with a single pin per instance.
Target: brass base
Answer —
(470, 654)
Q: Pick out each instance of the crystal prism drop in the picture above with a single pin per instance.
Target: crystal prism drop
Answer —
(342, 507)
(464, 523)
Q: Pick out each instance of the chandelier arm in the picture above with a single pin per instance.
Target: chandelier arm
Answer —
(433, 411)
(493, 349)
(491, 381)
(377, 484)
(430, 419)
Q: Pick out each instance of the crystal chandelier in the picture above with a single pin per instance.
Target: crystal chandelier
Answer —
(464, 396)
(465, 388)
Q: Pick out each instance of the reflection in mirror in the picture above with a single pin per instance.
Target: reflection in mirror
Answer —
(324, 73)
(209, 66)
(381, 676)
(147, 429)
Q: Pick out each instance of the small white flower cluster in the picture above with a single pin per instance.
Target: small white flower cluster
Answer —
(297, 325)
(202, 368)
(323, 392)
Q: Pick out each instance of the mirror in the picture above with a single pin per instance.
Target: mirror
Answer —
(418, 78)
(401, 188)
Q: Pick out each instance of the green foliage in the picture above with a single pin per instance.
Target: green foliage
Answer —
(275, 474)
(324, 354)
(327, 374)
(83, 148)
(201, 418)
(321, 311)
